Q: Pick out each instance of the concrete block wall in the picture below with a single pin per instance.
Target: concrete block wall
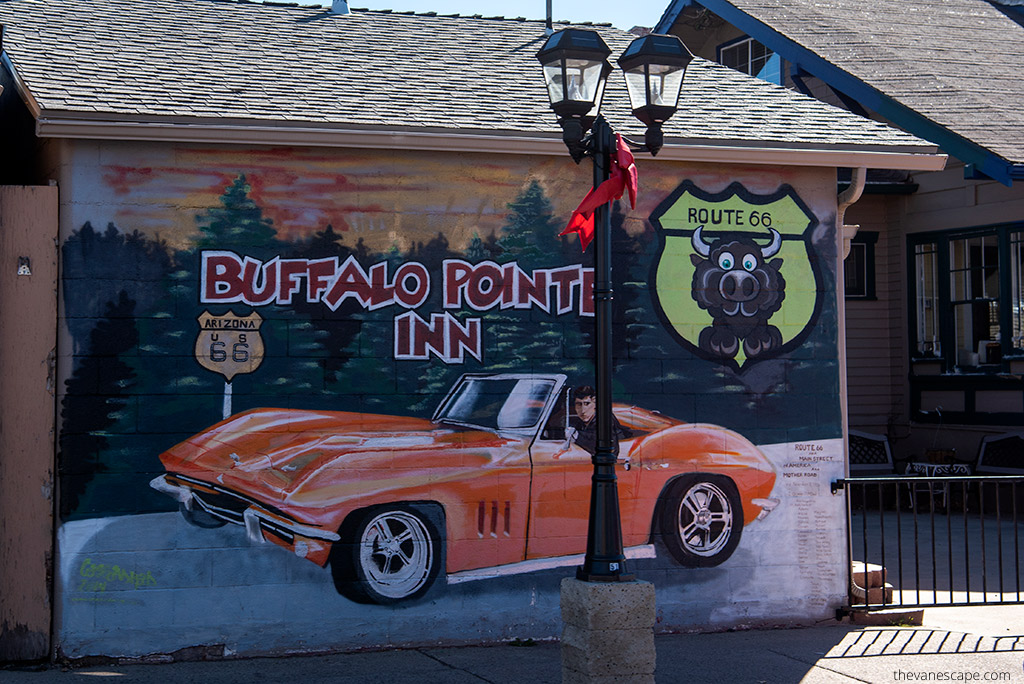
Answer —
(135, 379)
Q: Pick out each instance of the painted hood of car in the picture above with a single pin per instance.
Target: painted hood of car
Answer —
(277, 451)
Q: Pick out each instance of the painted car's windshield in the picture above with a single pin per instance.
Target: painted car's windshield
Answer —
(498, 403)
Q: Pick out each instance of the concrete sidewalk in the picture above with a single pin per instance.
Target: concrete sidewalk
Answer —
(954, 644)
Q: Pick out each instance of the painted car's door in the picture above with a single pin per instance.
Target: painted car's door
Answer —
(560, 490)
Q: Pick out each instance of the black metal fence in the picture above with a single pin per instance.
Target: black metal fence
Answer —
(942, 541)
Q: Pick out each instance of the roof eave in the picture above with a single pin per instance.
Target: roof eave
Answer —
(910, 120)
(20, 87)
(167, 129)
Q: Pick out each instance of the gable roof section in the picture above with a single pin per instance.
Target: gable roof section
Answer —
(949, 71)
(238, 71)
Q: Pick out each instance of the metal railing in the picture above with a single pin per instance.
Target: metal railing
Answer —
(942, 541)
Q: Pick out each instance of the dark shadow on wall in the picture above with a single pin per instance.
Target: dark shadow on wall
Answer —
(95, 394)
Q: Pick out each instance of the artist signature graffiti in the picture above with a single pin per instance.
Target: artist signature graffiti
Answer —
(103, 577)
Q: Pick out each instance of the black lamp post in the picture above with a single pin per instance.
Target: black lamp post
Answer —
(576, 68)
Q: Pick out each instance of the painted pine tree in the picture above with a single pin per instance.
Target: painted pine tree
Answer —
(238, 223)
(527, 340)
(629, 283)
(95, 408)
(369, 380)
(476, 251)
(337, 328)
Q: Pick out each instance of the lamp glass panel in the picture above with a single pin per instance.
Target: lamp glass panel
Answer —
(582, 83)
(583, 79)
(666, 82)
(597, 100)
(553, 77)
(636, 84)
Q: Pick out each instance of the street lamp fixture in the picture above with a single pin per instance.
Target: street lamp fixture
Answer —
(576, 67)
(654, 66)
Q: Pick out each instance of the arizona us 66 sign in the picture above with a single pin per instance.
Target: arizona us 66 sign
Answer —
(229, 344)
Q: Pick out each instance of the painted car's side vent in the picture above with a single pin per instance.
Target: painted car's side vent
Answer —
(483, 528)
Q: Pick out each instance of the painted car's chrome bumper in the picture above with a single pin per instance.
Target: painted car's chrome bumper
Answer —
(767, 506)
(255, 519)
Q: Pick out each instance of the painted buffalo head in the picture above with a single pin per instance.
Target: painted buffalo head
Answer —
(734, 276)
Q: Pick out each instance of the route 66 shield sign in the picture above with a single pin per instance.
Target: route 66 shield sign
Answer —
(229, 344)
(736, 279)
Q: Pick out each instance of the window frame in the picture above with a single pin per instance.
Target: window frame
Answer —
(934, 375)
(750, 41)
(864, 240)
(947, 334)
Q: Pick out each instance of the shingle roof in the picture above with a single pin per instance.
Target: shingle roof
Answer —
(274, 63)
(959, 63)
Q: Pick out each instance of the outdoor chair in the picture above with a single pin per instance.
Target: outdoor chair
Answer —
(1001, 455)
(870, 456)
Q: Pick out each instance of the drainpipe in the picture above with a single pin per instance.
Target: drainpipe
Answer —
(846, 198)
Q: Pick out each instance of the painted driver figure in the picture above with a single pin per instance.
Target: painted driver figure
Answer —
(583, 425)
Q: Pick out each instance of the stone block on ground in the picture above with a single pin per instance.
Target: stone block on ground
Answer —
(874, 574)
(608, 605)
(608, 651)
(880, 595)
(608, 632)
(891, 617)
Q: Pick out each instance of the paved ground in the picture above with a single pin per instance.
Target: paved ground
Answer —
(955, 644)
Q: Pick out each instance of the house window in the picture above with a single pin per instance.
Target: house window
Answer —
(974, 316)
(859, 267)
(967, 324)
(926, 300)
(974, 299)
(1017, 290)
(750, 57)
(969, 296)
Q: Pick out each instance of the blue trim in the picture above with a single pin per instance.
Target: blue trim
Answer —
(850, 103)
(910, 120)
(772, 69)
(668, 19)
(797, 75)
(971, 172)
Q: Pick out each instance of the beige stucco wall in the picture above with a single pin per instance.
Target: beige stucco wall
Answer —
(877, 331)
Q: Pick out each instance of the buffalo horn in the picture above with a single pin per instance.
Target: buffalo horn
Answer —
(772, 249)
(701, 247)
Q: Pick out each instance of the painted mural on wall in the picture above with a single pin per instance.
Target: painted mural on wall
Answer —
(491, 484)
(400, 413)
(755, 273)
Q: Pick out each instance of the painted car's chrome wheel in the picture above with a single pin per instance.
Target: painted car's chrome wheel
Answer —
(705, 519)
(387, 554)
(702, 519)
(396, 554)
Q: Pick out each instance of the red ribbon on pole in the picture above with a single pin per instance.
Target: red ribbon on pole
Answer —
(622, 176)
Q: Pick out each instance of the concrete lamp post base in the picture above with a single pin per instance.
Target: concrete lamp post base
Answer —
(608, 632)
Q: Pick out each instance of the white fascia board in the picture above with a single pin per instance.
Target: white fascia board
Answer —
(924, 158)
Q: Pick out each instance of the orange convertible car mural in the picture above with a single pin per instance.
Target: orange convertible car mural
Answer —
(492, 485)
